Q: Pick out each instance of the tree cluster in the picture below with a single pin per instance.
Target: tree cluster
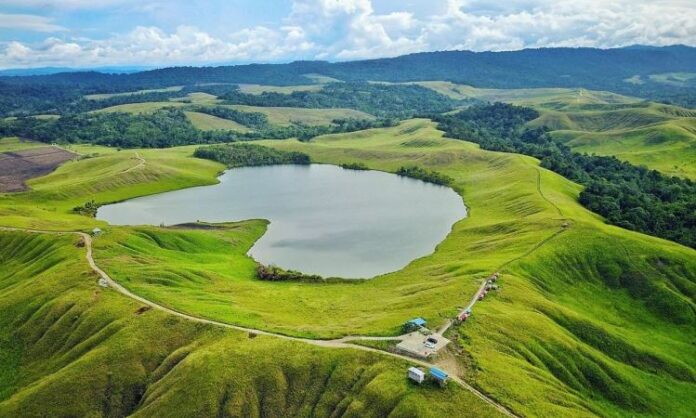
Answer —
(245, 154)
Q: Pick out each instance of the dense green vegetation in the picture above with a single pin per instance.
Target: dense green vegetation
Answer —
(277, 274)
(632, 197)
(430, 176)
(354, 166)
(376, 99)
(242, 155)
(635, 71)
(163, 128)
(249, 119)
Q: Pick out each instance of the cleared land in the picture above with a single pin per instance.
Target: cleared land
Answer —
(206, 122)
(131, 93)
(658, 136)
(661, 137)
(285, 116)
(148, 107)
(259, 88)
(538, 347)
(16, 167)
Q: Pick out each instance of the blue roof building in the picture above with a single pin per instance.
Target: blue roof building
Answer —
(419, 322)
(439, 375)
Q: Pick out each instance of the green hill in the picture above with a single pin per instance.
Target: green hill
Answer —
(591, 319)
(71, 348)
(658, 136)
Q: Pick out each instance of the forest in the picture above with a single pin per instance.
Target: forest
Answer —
(548, 67)
(632, 197)
(245, 155)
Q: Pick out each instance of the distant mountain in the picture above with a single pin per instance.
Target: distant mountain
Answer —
(57, 70)
(623, 70)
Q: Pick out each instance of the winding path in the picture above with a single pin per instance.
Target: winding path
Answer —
(343, 342)
(141, 163)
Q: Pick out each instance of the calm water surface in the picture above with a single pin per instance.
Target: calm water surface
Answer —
(324, 219)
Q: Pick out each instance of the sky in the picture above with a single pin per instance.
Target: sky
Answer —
(98, 33)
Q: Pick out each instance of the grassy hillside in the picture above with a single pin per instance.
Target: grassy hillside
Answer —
(661, 137)
(71, 348)
(551, 98)
(285, 116)
(658, 136)
(591, 319)
(206, 122)
(147, 107)
(259, 88)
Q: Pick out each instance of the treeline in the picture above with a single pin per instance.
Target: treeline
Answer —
(632, 197)
(244, 154)
(163, 128)
(381, 100)
(254, 120)
(355, 166)
(277, 274)
(429, 176)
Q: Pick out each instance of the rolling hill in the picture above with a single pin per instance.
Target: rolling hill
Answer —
(591, 319)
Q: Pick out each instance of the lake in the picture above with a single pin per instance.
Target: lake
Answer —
(325, 220)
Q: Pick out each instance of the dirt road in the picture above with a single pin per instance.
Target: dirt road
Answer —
(343, 342)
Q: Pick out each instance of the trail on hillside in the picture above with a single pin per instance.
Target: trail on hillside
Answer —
(343, 342)
(141, 163)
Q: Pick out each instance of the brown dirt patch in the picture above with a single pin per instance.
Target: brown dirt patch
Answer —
(19, 166)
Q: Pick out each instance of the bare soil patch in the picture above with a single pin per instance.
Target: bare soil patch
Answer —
(19, 166)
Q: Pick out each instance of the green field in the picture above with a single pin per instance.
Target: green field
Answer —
(206, 122)
(9, 144)
(285, 116)
(661, 137)
(658, 136)
(591, 319)
(136, 108)
(74, 349)
(110, 95)
(258, 88)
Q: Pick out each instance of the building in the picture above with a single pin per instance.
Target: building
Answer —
(440, 376)
(416, 374)
(414, 324)
(96, 232)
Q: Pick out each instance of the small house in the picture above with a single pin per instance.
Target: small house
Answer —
(416, 374)
(96, 232)
(440, 376)
(414, 324)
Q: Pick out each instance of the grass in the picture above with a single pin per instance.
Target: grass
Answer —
(551, 98)
(138, 108)
(285, 116)
(206, 122)
(658, 136)
(10, 144)
(591, 319)
(258, 88)
(110, 95)
(80, 350)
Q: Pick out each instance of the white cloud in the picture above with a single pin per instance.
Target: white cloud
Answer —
(29, 23)
(351, 29)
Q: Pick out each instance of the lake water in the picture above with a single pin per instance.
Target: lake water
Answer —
(324, 219)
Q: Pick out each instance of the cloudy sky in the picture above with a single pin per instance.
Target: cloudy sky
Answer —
(90, 33)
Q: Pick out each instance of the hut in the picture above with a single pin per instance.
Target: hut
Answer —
(96, 232)
(416, 374)
(414, 324)
(440, 376)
